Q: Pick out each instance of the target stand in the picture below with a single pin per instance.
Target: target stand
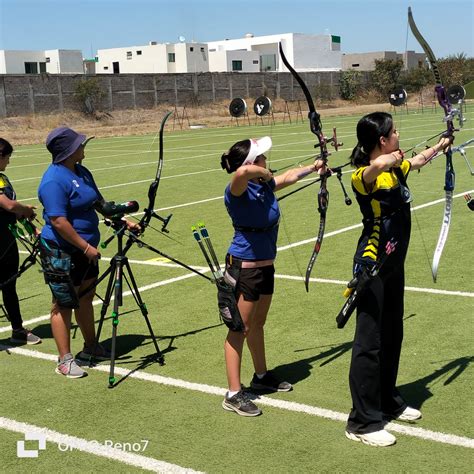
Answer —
(263, 107)
(286, 112)
(238, 109)
(180, 117)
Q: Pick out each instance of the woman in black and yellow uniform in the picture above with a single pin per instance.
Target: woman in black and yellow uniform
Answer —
(10, 211)
(379, 183)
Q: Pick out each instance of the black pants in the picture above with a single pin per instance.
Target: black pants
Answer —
(9, 263)
(376, 353)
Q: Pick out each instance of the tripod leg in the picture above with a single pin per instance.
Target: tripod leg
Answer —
(107, 298)
(115, 316)
(134, 289)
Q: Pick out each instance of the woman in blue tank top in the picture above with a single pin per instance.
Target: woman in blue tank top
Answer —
(253, 209)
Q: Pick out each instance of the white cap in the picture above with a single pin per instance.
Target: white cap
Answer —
(257, 148)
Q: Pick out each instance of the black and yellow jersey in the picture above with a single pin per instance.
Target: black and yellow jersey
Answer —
(386, 214)
(6, 188)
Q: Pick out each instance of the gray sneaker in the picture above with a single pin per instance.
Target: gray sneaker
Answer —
(241, 404)
(67, 366)
(24, 336)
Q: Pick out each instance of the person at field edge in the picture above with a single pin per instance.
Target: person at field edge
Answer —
(10, 211)
(69, 241)
(379, 183)
(253, 209)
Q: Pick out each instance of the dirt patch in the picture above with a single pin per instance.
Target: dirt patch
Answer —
(33, 129)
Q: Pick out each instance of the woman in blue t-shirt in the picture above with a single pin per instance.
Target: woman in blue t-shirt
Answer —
(253, 209)
(69, 241)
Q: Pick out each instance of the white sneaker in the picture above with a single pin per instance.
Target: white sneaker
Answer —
(376, 438)
(409, 414)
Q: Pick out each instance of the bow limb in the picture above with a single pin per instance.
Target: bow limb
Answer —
(152, 190)
(449, 179)
(323, 194)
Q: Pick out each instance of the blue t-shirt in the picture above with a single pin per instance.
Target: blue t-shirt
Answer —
(71, 195)
(257, 208)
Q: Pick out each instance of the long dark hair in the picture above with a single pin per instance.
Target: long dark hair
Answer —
(236, 155)
(369, 130)
(5, 148)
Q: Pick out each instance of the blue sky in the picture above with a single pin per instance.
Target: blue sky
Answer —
(364, 25)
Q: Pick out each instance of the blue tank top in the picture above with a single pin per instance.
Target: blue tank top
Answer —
(256, 208)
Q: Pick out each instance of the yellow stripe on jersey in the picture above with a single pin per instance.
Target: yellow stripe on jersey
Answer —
(385, 180)
(3, 181)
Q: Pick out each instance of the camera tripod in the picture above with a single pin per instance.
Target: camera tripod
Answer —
(118, 271)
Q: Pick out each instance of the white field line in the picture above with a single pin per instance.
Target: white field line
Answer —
(93, 447)
(151, 138)
(356, 226)
(149, 179)
(125, 293)
(191, 148)
(285, 247)
(204, 269)
(416, 289)
(422, 433)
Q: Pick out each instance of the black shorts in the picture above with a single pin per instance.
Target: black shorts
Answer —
(82, 269)
(254, 282)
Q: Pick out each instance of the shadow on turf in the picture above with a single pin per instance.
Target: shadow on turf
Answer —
(127, 343)
(419, 390)
(301, 369)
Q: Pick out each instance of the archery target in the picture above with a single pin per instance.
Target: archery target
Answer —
(456, 94)
(237, 107)
(398, 97)
(262, 106)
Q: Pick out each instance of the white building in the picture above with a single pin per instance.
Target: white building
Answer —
(366, 61)
(304, 52)
(240, 60)
(154, 58)
(55, 61)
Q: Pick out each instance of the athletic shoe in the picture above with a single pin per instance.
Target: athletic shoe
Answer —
(97, 353)
(269, 382)
(376, 438)
(409, 414)
(24, 336)
(67, 366)
(241, 404)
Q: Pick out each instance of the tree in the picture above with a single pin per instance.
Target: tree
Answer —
(415, 79)
(456, 69)
(350, 84)
(386, 76)
(89, 93)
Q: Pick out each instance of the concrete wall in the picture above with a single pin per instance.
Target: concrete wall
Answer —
(48, 93)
